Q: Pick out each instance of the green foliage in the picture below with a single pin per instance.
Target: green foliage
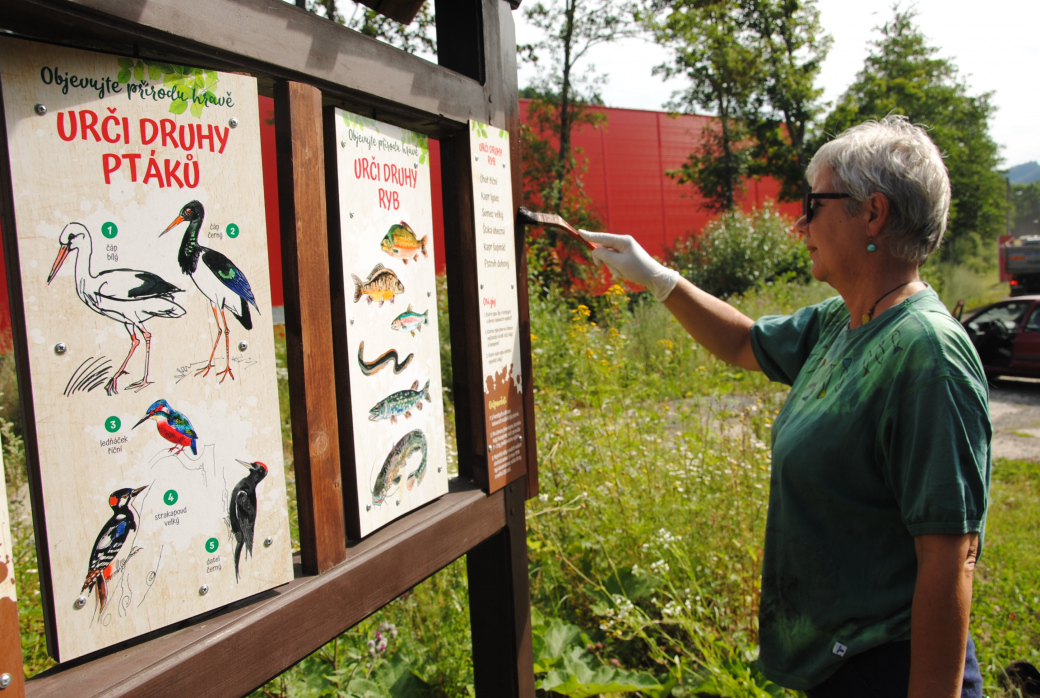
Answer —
(902, 75)
(737, 252)
(1025, 200)
(562, 653)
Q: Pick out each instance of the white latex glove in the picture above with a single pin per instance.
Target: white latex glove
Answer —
(626, 259)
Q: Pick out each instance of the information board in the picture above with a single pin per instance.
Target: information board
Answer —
(138, 204)
(499, 307)
(392, 381)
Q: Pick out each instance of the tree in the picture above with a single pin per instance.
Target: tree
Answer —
(753, 63)
(713, 50)
(416, 37)
(903, 75)
(793, 46)
(572, 27)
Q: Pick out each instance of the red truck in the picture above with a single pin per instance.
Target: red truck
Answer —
(1020, 264)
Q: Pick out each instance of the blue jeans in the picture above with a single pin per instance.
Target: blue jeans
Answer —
(884, 672)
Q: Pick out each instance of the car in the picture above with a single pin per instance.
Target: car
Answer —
(1007, 336)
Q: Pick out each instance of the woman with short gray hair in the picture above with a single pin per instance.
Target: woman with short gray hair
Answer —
(881, 452)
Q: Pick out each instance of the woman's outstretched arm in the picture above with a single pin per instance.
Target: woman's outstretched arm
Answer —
(714, 324)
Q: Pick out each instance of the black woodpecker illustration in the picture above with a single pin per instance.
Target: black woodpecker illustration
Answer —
(242, 510)
(109, 541)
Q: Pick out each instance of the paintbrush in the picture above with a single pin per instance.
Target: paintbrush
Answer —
(531, 218)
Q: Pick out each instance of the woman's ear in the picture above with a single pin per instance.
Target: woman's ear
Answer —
(878, 210)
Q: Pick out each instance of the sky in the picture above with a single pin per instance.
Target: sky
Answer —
(993, 43)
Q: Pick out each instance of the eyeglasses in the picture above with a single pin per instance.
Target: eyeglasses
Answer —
(808, 209)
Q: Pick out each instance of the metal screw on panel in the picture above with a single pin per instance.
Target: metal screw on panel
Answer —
(233, 122)
(520, 438)
(204, 589)
(5, 680)
(490, 447)
(60, 348)
(368, 507)
(242, 346)
(351, 321)
(427, 294)
(482, 286)
(268, 541)
(40, 109)
(438, 468)
(80, 602)
(398, 502)
(343, 143)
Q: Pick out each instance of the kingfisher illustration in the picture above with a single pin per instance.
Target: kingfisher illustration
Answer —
(128, 296)
(109, 541)
(242, 509)
(173, 426)
(217, 278)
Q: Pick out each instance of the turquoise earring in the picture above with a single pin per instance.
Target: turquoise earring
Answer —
(871, 247)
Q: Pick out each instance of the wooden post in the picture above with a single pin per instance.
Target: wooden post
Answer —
(500, 606)
(308, 325)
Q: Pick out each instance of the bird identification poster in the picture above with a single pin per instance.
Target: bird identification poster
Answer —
(391, 349)
(499, 308)
(142, 253)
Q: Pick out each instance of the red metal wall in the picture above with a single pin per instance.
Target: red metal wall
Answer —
(627, 158)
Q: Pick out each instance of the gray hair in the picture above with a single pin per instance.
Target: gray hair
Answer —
(898, 159)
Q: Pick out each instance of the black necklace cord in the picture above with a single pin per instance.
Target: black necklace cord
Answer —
(869, 315)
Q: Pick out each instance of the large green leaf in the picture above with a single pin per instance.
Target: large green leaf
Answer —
(575, 678)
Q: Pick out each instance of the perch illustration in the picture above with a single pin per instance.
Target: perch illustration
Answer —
(381, 285)
(217, 278)
(128, 296)
(109, 541)
(242, 510)
(173, 426)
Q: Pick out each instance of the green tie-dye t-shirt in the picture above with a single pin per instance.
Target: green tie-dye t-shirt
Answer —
(884, 436)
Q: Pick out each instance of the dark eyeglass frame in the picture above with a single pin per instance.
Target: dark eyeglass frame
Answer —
(808, 210)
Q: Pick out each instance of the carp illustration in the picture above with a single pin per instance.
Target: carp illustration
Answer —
(381, 285)
(390, 474)
(401, 242)
(410, 321)
(400, 403)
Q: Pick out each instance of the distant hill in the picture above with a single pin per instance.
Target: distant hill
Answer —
(1025, 173)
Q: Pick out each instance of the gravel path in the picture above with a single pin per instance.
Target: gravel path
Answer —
(1014, 407)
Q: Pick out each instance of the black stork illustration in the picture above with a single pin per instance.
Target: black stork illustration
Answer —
(242, 509)
(109, 542)
(217, 277)
(128, 296)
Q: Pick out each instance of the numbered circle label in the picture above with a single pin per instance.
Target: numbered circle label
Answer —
(232, 230)
(170, 497)
(112, 424)
(211, 545)
(109, 230)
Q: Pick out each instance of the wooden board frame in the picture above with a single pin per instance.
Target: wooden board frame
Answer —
(308, 63)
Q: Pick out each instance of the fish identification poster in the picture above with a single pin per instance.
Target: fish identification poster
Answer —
(392, 350)
(499, 307)
(145, 289)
